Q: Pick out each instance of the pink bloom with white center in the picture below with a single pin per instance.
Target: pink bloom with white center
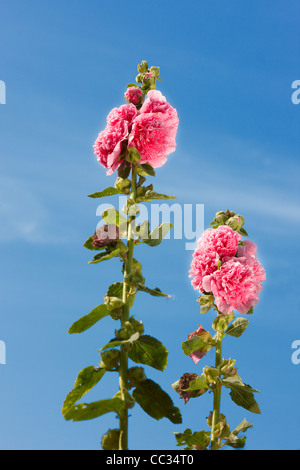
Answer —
(134, 95)
(235, 285)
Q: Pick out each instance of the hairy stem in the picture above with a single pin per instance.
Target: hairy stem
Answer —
(123, 370)
(217, 395)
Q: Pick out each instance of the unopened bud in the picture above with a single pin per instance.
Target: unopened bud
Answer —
(110, 359)
(136, 375)
(110, 440)
(123, 185)
(143, 67)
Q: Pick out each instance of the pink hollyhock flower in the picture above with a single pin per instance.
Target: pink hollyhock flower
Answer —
(248, 251)
(154, 130)
(223, 241)
(235, 285)
(134, 95)
(203, 264)
(197, 355)
(108, 146)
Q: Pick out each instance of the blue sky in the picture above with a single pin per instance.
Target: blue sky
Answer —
(228, 68)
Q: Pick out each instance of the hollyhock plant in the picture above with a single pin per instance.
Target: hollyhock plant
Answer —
(150, 130)
(227, 274)
(135, 140)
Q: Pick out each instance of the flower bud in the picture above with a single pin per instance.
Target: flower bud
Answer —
(155, 70)
(136, 375)
(110, 440)
(113, 303)
(122, 333)
(137, 326)
(227, 368)
(206, 301)
(110, 359)
(123, 185)
(139, 78)
(134, 95)
(211, 376)
(236, 222)
(143, 67)
(220, 218)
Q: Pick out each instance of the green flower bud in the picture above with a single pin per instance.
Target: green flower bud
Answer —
(207, 302)
(221, 322)
(211, 375)
(155, 70)
(139, 78)
(113, 303)
(143, 67)
(233, 222)
(220, 218)
(123, 333)
(137, 326)
(227, 368)
(110, 440)
(136, 375)
(110, 359)
(123, 185)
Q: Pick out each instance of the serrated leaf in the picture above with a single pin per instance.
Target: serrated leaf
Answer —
(155, 292)
(145, 169)
(94, 410)
(194, 344)
(242, 394)
(85, 381)
(190, 440)
(106, 192)
(233, 440)
(152, 195)
(89, 320)
(242, 427)
(116, 290)
(105, 256)
(157, 235)
(197, 384)
(149, 351)
(156, 402)
(238, 327)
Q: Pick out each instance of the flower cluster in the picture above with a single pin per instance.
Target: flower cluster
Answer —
(151, 130)
(228, 268)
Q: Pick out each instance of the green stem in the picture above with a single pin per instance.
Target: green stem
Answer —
(123, 370)
(217, 394)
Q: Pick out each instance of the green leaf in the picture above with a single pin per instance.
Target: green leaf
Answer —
(155, 292)
(233, 440)
(156, 402)
(199, 439)
(156, 236)
(145, 169)
(193, 344)
(152, 195)
(242, 394)
(85, 411)
(89, 320)
(112, 216)
(116, 290)
(89, 245)
(238, 327)
(85, 381)
(105, 256)
(242, 427)
(106, 192)
(198, 384)
(115, 342)
(149, 351)
(242, 231)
